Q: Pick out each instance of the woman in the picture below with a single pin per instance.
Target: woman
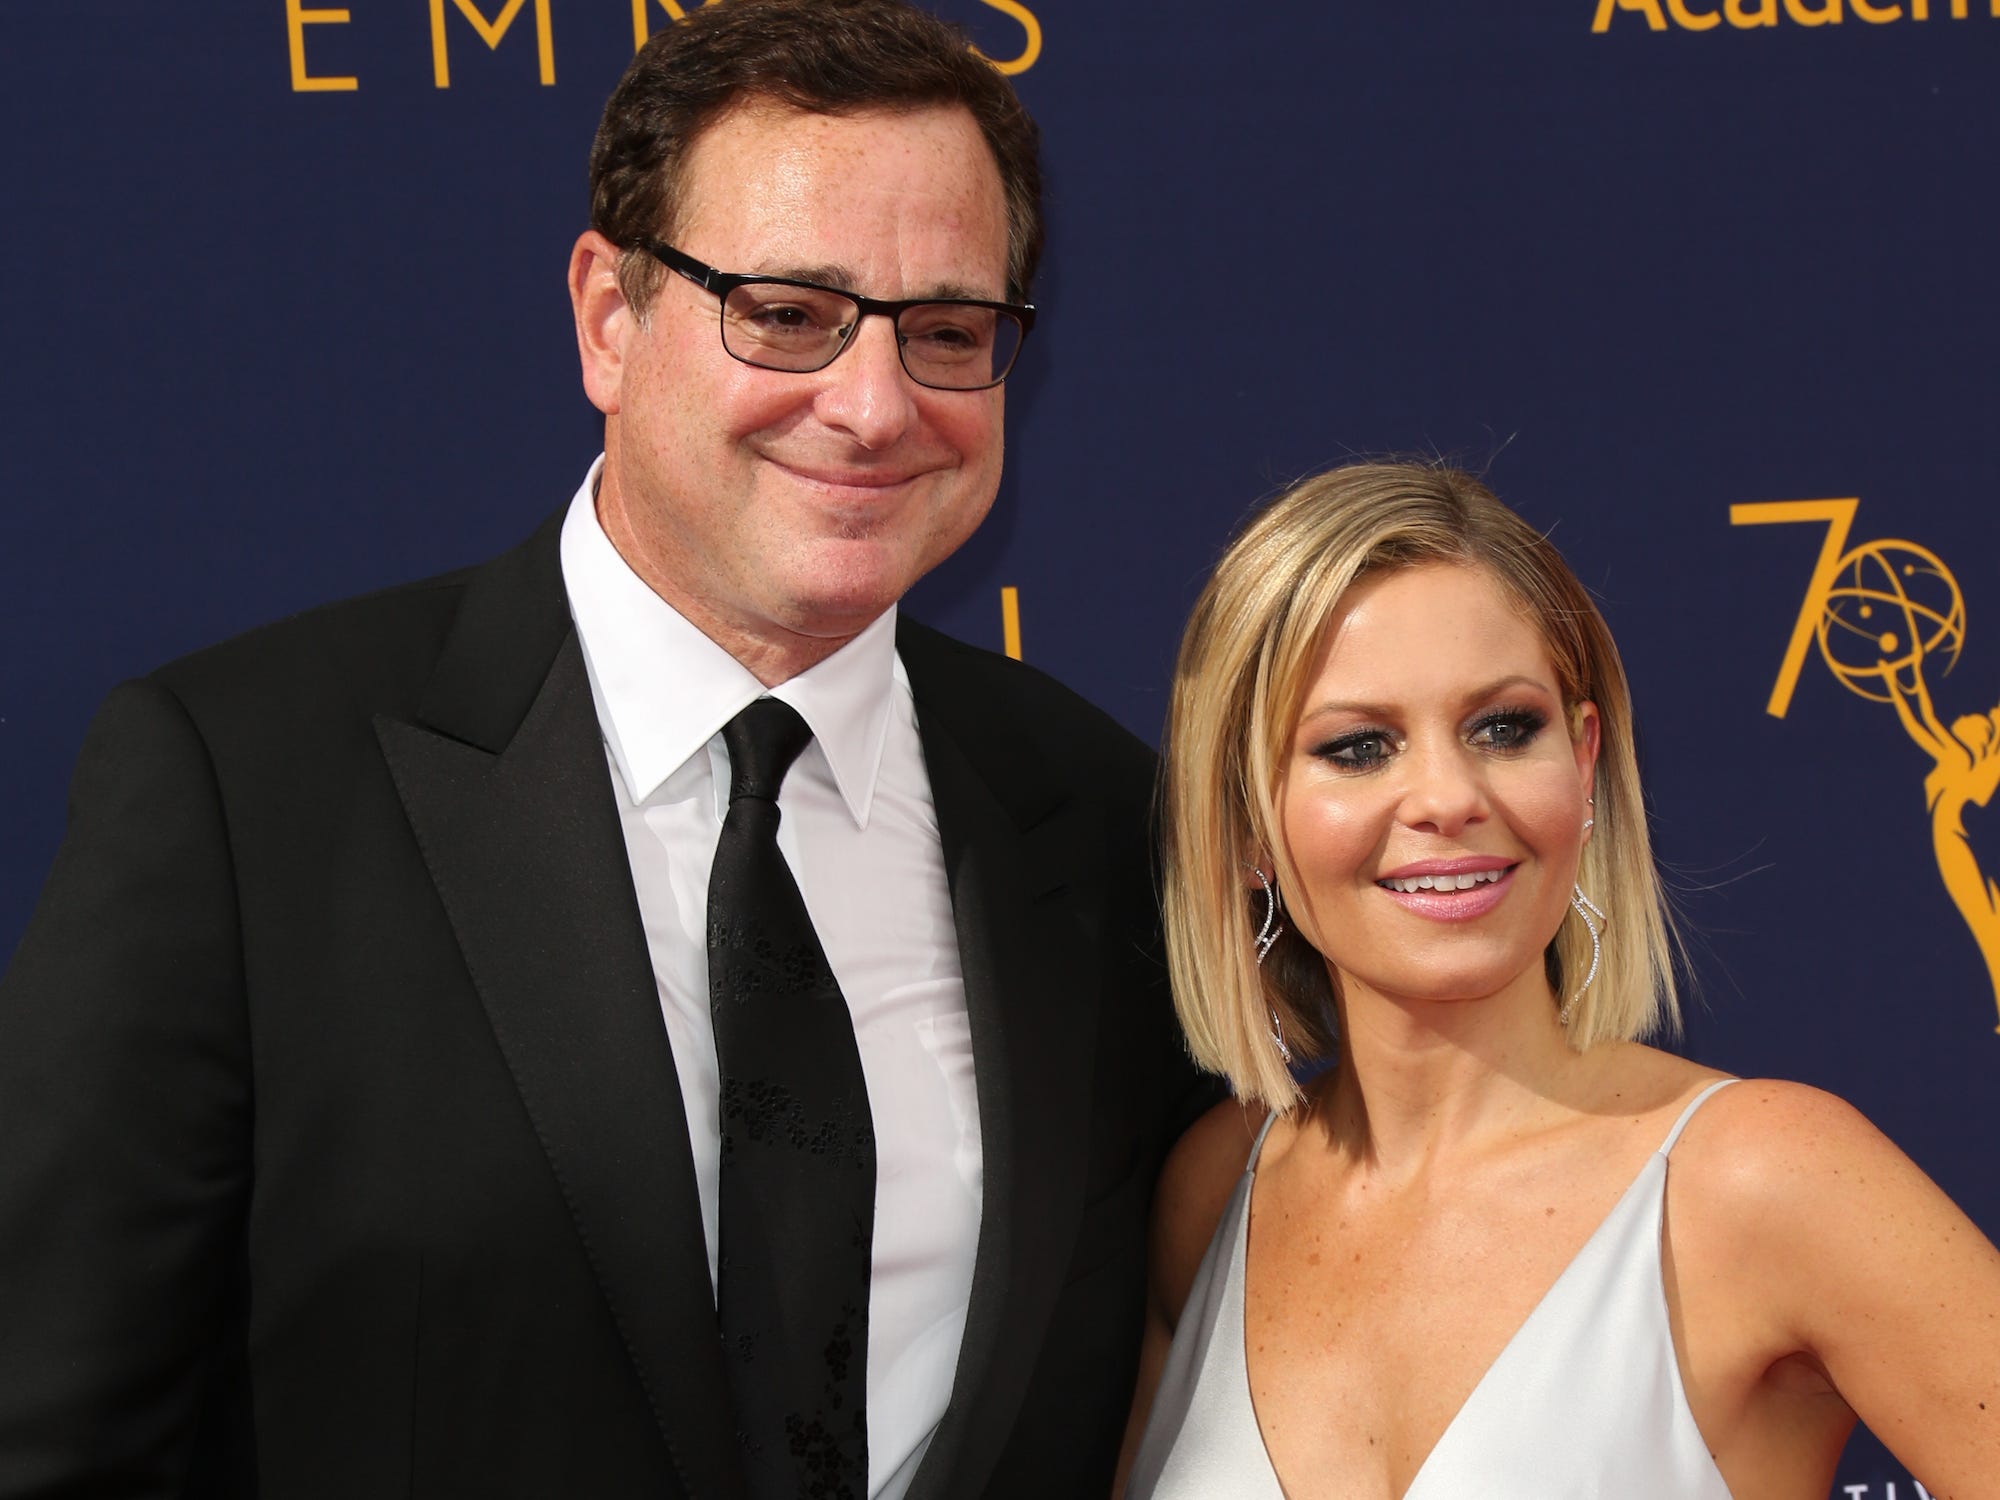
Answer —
(1403, 810)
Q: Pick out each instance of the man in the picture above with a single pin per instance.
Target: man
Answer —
(396, 1092)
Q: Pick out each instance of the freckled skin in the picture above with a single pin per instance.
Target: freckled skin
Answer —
(1406, 1220)
(1420, 643)
(780, 512)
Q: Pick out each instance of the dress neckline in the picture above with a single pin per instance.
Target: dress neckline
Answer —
(1607, 1227)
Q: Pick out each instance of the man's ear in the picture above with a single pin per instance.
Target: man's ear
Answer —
(604, 320)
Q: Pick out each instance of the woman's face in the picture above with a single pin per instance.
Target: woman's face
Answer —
(1433, 800)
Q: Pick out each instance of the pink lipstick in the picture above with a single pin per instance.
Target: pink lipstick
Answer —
(1449, 890)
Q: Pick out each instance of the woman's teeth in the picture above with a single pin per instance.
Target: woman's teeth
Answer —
(1443, 882)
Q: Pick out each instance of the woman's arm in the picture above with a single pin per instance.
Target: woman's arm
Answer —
(1857, 1263)
(1195, 1184)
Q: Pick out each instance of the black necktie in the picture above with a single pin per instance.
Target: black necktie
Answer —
(797, 1195)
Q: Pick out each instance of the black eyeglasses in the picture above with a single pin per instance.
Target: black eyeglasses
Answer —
(946, 343)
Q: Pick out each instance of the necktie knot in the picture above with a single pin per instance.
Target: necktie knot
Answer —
(763, 740)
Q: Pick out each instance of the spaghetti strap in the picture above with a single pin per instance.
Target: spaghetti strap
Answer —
(1687, 1114)
(1257, 1146)
(1586, 1398)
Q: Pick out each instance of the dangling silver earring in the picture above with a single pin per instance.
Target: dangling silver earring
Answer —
(1591, 821)
(1272, 929)
(1278, 1037)
(1586, 908)
(1268, 934)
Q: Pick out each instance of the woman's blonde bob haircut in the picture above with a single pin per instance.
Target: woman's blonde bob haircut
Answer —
(1245, 666)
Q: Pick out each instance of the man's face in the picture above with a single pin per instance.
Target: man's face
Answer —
(782, 512)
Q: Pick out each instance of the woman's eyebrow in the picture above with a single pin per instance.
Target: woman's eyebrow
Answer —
(1366, 710)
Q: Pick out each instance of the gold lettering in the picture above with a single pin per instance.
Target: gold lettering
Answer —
(640, 10)
(297, 19)
(490, 33)
(1839, 518)
(1692, 20)
(1031, 46)
(1649, 8)
(1748, 15)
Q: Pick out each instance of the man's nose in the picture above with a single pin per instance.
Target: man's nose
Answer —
(866, 392)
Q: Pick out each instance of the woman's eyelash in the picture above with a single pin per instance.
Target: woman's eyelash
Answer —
(1508, 728)
(1350, 749)
(1499, 729)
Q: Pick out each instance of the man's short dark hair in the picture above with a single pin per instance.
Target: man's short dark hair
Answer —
(828, 57)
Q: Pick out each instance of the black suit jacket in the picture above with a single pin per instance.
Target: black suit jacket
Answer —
(341, 1148)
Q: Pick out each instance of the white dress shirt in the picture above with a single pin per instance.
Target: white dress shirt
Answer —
(861, 836)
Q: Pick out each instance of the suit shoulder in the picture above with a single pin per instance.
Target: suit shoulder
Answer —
(375, 653)
(1012, 700)
(364, 655)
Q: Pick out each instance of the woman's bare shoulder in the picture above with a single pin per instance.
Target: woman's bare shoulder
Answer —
(1195, 1186)
(1767, 1144)
(1793, 1187)
(1802, 1229)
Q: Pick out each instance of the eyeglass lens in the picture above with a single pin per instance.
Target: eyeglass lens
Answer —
(943, 344)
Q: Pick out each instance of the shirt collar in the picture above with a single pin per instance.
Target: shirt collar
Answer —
(663, 689)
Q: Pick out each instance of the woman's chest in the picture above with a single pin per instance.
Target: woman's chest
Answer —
(1369, 1326)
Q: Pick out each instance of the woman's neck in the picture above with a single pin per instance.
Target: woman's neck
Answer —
(1421, 1082)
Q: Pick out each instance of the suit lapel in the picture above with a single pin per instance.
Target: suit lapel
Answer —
(505, 782)
(1023, 886)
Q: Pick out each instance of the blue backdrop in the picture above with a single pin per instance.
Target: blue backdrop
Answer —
(284, 317)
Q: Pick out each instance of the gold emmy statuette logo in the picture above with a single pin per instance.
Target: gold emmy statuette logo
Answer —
(1884, 615)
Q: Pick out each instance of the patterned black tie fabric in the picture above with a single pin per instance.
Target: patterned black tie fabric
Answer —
(797, 1199)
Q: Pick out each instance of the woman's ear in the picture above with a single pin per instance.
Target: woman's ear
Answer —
(1584, 736)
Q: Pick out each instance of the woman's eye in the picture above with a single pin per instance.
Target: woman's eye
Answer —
(1356, 752)
(1513, 729)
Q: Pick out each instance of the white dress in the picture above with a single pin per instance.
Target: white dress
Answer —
(1584, 1403)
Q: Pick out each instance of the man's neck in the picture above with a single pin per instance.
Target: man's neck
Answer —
(769, 653)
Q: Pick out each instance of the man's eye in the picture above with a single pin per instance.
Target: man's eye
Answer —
(944, 332)
(776, 315)
(945, 338)
(784, 317)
